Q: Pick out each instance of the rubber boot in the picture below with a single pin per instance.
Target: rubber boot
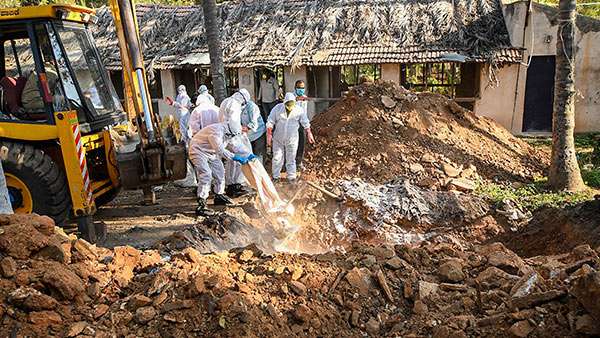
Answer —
(222, 200)
(237, 190)
(202, 209)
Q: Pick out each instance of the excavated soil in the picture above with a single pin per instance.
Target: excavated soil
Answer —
(381, 131)
(52, 284)
(555, 231)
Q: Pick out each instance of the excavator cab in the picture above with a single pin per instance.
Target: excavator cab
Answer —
(50, 65)
(58, 116)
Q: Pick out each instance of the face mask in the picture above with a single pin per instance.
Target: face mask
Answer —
(300, 91)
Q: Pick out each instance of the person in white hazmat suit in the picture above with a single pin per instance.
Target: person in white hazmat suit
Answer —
(207, 148)
(203, 92)
(232, 107)
(182, 105)
(285, 118)
(254, 127)
(204, 114)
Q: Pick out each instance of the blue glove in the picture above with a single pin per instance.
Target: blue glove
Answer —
(240, 159)
(251, 157)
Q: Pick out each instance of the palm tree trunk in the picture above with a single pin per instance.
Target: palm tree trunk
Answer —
(564, 169)
(213, 37)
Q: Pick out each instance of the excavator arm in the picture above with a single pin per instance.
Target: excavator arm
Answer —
(153, 161)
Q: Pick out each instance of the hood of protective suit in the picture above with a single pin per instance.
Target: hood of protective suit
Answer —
(243, 96)
(228, 116)
(181, 89)
(289, 97)
(203, 89)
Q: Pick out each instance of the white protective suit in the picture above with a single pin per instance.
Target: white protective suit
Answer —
(203, 115)
(182, 104)
(285, 136)
(203, 93)
(207, 149)
(231, 108)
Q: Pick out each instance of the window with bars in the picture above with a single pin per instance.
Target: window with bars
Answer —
(442, 78)
(354, 74)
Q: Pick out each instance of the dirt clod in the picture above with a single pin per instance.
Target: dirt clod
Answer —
(8, 267)
(145, 314)
(451, 271)
(521, 329)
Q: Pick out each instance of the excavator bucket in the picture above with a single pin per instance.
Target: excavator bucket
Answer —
(158, 166)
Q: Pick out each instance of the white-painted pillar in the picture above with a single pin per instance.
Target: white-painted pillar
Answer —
(167, 82)
(246, 80)
(390, 72)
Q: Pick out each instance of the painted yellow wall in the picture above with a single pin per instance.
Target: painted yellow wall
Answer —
(497, 98)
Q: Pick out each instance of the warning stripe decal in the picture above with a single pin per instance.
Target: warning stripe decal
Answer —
(82, 162)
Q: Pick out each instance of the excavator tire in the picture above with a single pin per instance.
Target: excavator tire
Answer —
(35, 182)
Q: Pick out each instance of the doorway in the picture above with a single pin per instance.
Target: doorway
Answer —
(539, 94)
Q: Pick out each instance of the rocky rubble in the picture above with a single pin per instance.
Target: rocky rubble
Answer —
(382, 131)
(438, 289)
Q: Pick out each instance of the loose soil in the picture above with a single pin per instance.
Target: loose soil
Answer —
(554, 231)
(58, 285)
(381, 131)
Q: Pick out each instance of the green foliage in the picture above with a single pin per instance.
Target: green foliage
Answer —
(589, 10)
(587, 147)
(531, 196)
(591, 177)
(588, 140)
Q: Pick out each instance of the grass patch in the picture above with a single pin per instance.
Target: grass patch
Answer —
(532, 196)
(588, 155)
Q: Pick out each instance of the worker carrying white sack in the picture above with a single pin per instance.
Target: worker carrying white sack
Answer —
(286, 118)
(207, 148)
(232, 108)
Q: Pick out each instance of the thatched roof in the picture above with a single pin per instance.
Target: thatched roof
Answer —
(320, 32)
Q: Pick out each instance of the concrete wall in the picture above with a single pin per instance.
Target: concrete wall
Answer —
(497, 97)
(167, 80)
(390, 72)
(538, 36)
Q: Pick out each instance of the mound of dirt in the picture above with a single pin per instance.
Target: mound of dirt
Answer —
(554, 231)
(52, 284)
(381, 131)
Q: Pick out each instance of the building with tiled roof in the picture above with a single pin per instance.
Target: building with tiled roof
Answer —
(476, 51)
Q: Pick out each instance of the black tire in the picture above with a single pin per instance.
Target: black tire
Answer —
(44, 179)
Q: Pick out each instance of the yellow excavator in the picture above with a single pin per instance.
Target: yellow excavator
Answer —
(60, 117)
